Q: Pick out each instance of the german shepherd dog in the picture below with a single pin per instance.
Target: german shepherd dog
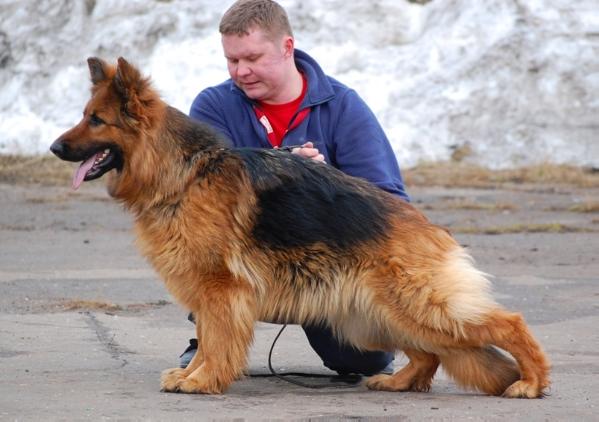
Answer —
(241, 235)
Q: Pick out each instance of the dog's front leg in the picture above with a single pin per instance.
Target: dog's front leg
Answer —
(170, 377)
(225, 326)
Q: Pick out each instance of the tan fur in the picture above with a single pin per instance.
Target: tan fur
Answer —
(414, 290)
(417, 375)
(482, 368)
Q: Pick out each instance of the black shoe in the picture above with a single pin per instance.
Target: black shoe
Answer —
(189, 353)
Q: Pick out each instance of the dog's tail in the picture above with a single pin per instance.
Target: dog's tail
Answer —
(484, 369)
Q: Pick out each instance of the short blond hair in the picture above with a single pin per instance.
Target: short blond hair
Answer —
(244, 15)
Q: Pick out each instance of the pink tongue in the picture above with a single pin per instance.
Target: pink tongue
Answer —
(82, 170)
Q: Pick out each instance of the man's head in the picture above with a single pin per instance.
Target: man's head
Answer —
(266, 15)
(258, 45)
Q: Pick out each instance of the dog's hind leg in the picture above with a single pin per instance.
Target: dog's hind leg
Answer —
(480, 368)
(417, 375)
(509, 332)
(449, 311)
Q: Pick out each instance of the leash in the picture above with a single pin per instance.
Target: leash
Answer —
(336, 381)
(291, 147)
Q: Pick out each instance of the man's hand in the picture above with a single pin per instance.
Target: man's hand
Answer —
(307, 150)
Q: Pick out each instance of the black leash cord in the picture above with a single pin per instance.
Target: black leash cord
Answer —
(345, 381)
(292, 147)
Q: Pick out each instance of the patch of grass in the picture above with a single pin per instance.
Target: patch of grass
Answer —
(134, 307)
(470, 205)
(49, 170)
(39, 169)
(17, 227)
(94, 305)
(523, 228)
(89, 305)
(57, 199)
(585, 207)
(449, 174)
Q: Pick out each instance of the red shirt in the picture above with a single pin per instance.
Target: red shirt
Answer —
(277, 118)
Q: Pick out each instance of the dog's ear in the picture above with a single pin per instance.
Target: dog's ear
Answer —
(132, 89)
(127, 80)
(97, 69)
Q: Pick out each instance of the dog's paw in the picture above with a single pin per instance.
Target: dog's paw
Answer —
(170, 377)
(422, 385)
(378, 382)
(523, 390)
(383, 382)
(197, 385)
(397, 382)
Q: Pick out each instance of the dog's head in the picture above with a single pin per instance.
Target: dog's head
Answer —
(121, 106)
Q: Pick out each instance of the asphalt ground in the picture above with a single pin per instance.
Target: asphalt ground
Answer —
(86, 326)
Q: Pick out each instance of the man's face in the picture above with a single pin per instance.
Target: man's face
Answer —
(257, 65)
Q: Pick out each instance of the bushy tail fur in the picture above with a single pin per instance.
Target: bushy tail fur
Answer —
(485, 369)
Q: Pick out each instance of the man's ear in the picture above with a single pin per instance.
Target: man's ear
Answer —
(288, 46)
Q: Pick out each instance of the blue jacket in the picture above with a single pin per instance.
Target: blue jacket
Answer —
(340, 124)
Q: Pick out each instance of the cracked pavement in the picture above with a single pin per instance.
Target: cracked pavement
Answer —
(86, 326)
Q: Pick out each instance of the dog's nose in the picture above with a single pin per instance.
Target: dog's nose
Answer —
(57, 148)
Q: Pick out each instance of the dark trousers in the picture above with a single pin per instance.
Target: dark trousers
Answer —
(344, 358)
(341, 357)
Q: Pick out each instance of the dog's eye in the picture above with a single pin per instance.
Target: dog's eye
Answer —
(94, 120)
